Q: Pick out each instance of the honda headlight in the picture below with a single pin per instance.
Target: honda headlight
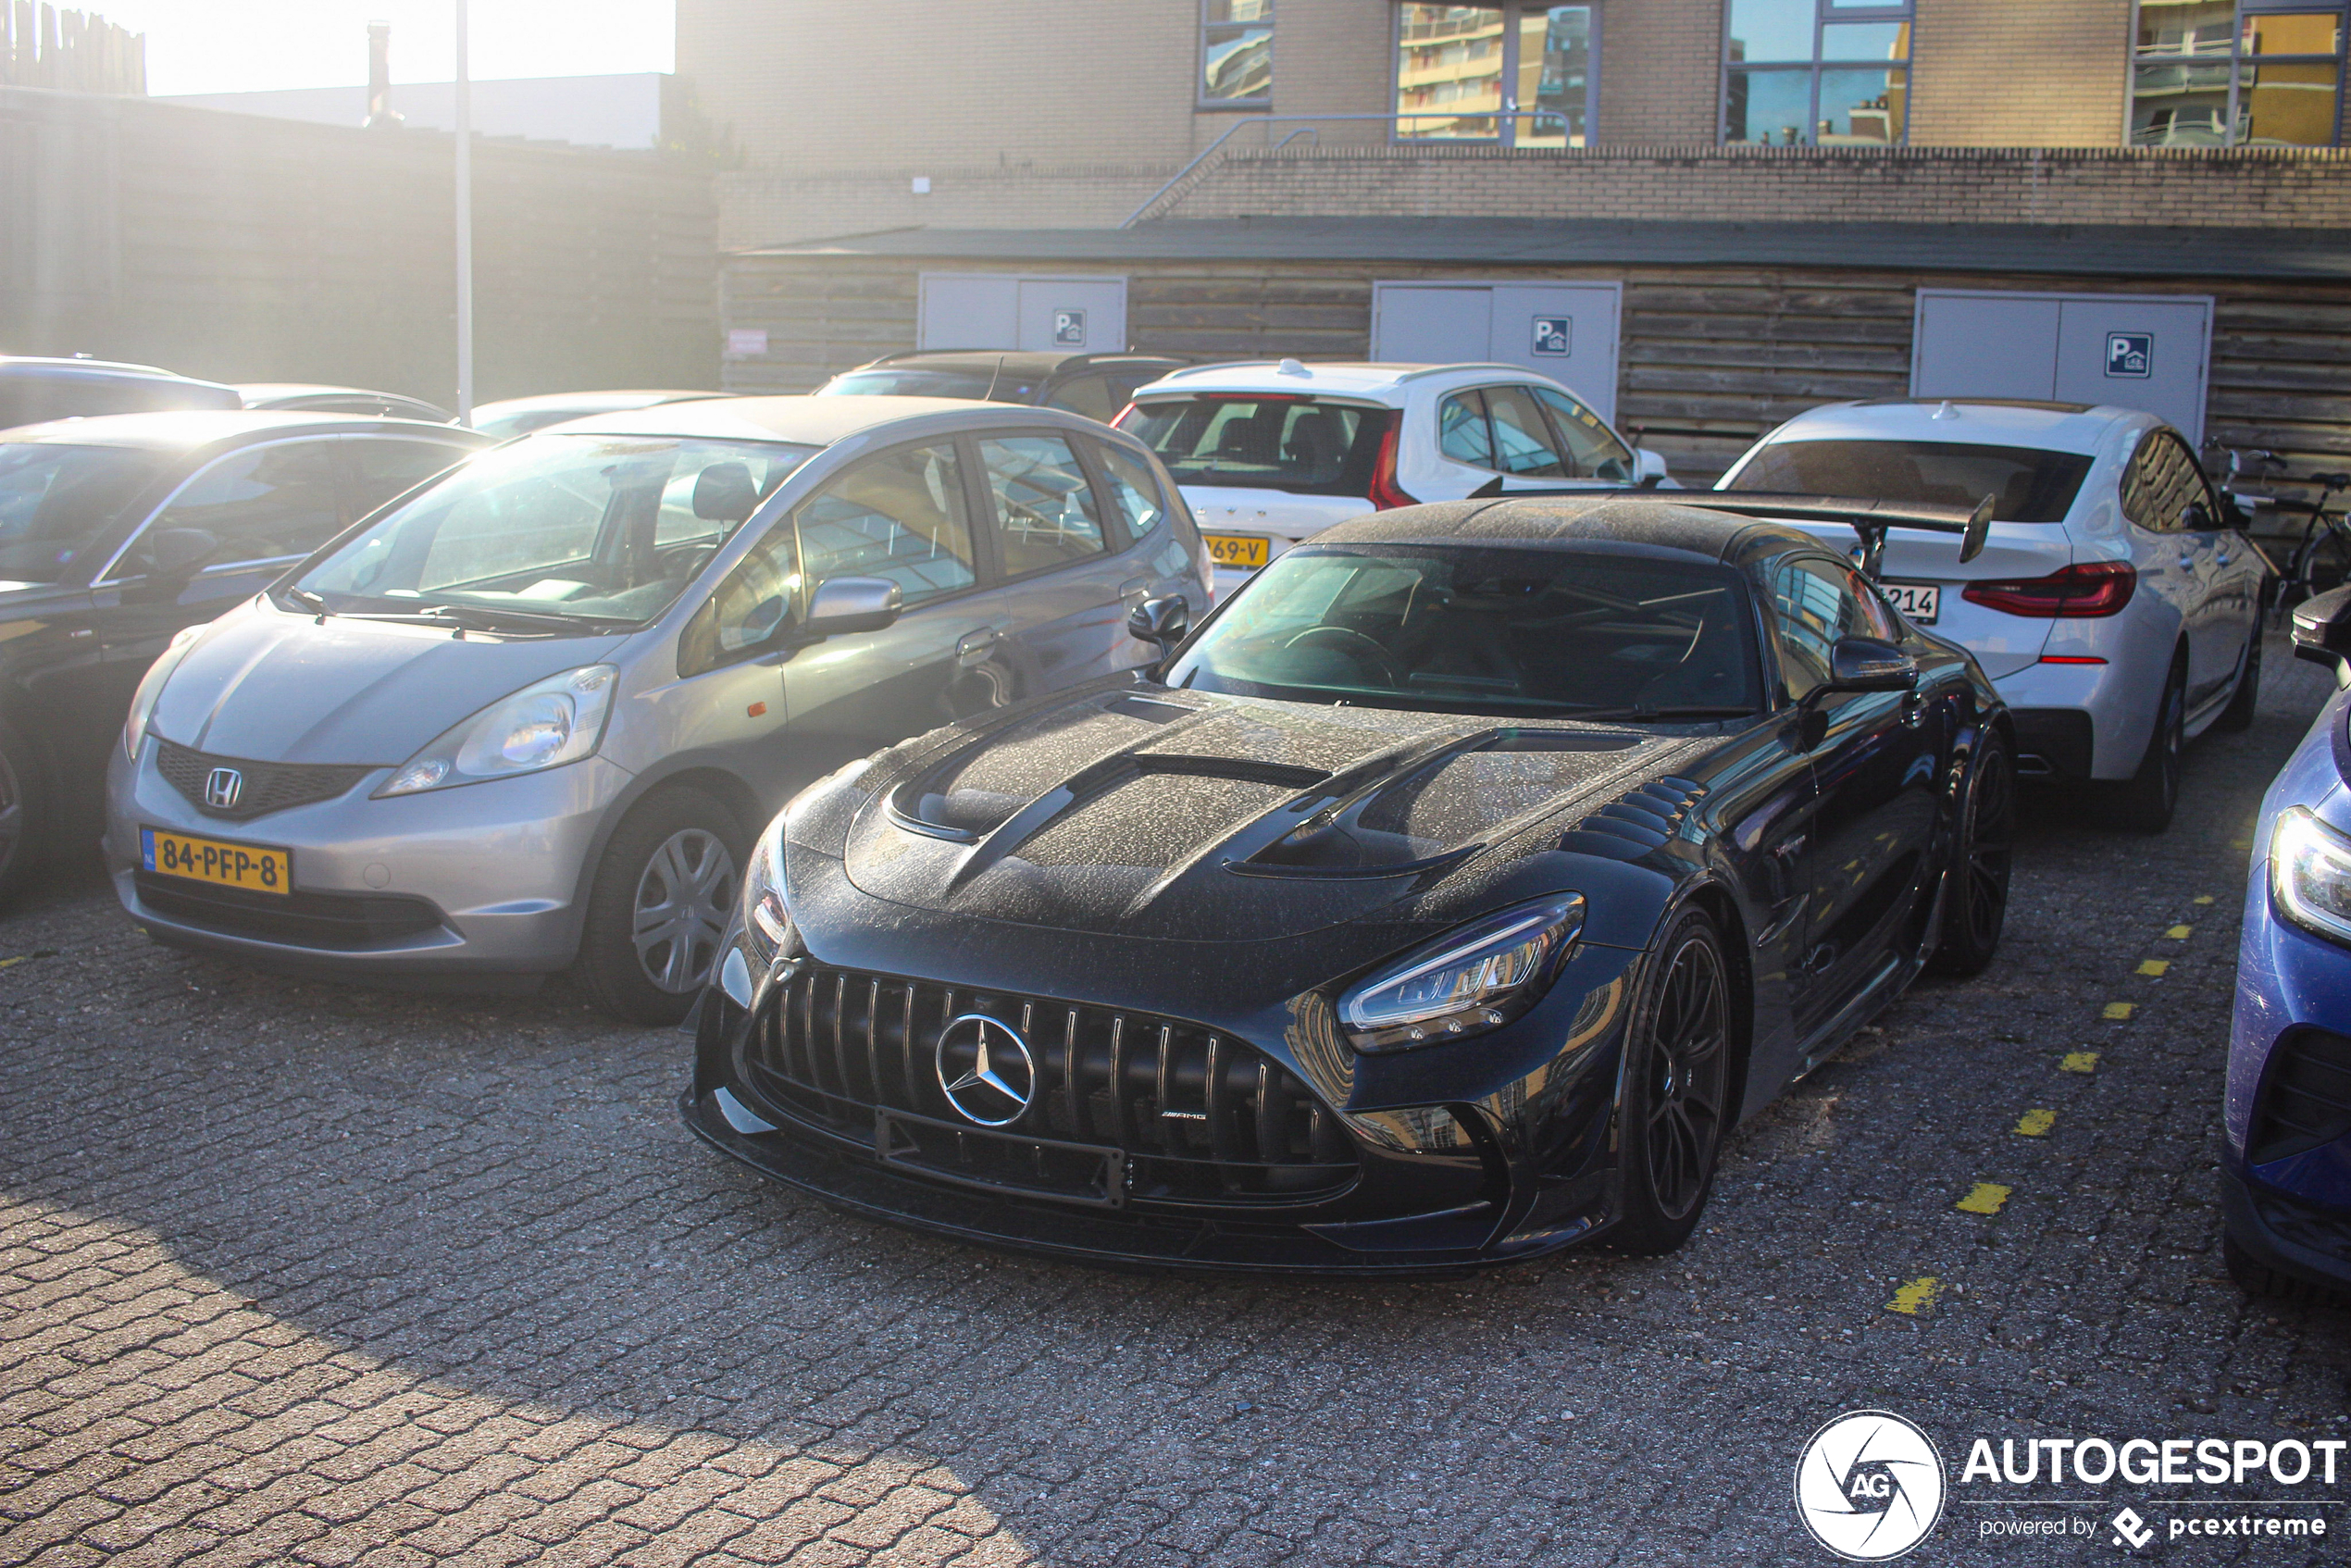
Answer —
(558, 720)
(2310, 873)
(143, 702)
(1477, 977)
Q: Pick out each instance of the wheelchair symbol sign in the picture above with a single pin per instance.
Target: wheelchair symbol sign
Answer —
(1553, 335)
(1069, 328)
(2129, 355)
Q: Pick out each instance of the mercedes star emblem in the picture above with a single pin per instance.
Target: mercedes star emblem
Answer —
(984, 1069)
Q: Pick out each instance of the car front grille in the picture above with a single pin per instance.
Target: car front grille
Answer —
(2306, 1097)
(340, 922)
(263, 787)
(1125, 1106)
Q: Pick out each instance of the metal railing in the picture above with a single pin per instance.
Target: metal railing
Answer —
(1508, 114)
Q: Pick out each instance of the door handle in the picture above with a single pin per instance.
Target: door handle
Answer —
(974, 647)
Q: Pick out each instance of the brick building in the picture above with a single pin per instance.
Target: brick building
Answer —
(1268, 176)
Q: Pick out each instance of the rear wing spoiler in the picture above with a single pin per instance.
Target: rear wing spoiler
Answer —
(1868, 519)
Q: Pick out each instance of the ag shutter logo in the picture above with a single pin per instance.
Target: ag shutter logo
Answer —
(1870, 1486)
(1069, 328)
(1553, 335)
(2129, 355)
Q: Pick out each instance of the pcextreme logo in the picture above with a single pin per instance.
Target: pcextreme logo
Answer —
(1870, 1486)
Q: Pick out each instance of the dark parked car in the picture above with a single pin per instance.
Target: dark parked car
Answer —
(305, 398)
(1450, 893)
(34, 389)
(519, 416)
(1097, 385)
(119, 533)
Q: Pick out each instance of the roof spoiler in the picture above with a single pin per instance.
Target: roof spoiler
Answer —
(1868, 519)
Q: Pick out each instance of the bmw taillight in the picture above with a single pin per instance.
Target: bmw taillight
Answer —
(1386, 493)
(2088, 588)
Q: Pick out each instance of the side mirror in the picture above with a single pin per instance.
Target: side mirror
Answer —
(176, 554)
(1649, 468)
(1162, 622)
(845, 604)
(1869, 664)
(2323, 631)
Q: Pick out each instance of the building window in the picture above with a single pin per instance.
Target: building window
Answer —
(2237, 73)
(1829, 73)
(1235, 54)
(1518, 73)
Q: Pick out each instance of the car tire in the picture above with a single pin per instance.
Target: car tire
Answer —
(2260, 1281)
(24, 816)
(2237, 717)
(1676, 1089)
(664, 894)
(1977, 905)
(2144, 802)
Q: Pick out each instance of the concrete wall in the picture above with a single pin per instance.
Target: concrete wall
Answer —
(246, 249)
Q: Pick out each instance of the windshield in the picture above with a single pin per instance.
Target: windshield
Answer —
(57, 501)
(592, 528)
(1264, 440)
(2027, 485)
(993, 385)
(1517, 631)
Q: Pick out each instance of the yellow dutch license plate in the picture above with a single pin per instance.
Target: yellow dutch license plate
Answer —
(209, 860)
(1238, 549)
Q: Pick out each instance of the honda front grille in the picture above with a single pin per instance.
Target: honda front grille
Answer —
(1119, 1107)
(262, 788)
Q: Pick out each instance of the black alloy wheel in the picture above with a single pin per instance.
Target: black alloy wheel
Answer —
(1977, 898)
(21, 816)
(1676, 1090)
(2237, 717)
(2144, 802)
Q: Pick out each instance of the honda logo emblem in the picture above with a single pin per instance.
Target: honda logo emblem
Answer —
(223, 788)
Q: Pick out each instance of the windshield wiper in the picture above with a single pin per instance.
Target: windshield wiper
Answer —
(308, 601)
(1657, 715)
(482, 618)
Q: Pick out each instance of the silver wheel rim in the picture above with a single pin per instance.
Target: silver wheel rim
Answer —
(684, 897)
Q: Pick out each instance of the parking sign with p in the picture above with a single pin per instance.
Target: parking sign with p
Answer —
(1553, 335)
(2129, 355)
(1069, 328)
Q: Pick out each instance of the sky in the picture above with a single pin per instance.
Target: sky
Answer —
(252, 45)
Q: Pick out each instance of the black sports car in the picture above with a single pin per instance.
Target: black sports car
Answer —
(1440, 902)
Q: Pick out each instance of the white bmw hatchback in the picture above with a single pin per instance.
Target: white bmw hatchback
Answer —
(2115, 605)
(1270, 452)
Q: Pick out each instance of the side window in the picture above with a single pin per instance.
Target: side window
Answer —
(1092, 395)
(1044, 505)
(901, 516)
(1134, 491)
(2162, 479)
(1815, 603)
(736, 621)
(263, 504)
(382, 470)
(1593, 452)
(1460, 430)
(1521, 436)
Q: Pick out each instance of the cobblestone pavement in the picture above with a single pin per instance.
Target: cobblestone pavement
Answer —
(291, 1273)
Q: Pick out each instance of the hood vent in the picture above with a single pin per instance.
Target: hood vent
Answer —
(1631, 825)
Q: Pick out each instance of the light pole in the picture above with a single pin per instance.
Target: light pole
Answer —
(465, 231)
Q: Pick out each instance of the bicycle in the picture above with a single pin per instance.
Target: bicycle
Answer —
(2322, 559)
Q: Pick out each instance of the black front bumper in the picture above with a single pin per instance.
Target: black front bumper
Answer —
(2287, 1235)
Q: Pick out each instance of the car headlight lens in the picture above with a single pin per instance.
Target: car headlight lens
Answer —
(1475, 979)
(557, 720)
(765, 920)
(143, 702)
(2310, 873)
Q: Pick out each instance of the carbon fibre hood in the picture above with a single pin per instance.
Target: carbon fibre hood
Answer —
(1193, 818)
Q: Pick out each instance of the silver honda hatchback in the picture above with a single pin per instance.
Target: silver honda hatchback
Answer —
(527, 718)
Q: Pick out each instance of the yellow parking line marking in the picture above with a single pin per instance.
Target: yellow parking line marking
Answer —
(2036, 1124)
(2179, 933)
(20, 958)
(2155, 966)
(2204, 897)
(1985, 1199)
(1917, 1296)
(2079, 1061)
(2118, 1010)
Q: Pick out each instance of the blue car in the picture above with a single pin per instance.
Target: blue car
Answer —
(2286, 1178)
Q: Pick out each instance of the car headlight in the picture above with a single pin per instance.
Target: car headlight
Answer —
(143, 702)
(1475, 979)
(764, 917)
(2310, 873)
(556, 720)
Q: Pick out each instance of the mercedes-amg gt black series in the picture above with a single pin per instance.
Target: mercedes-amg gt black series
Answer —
(1441, 901)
